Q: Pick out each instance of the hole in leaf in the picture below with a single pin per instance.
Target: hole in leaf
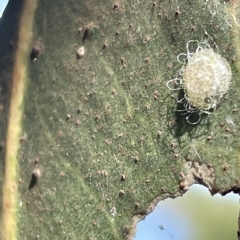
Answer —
(196, 215)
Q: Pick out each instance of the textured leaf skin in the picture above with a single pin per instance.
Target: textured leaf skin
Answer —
(89, 121)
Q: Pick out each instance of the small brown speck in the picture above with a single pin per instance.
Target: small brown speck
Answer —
(227, 129)
(97, 117)
(36, 172)
(173, 145)
(209, 138)
(115, 5)
(176, 155)
(78, 122)
(137, 205)
(183, 185)
(147, 181)
(193, 28)
(23, 137)
(79, 30)
(136, 159)
(146, 107)
(122, 60)
(68, 116)
(62, 174)
(123, 177)
(120, 135)
(225, 167)
(155, 95)
(121, 192)
(169, 65)
(147, 59)
(209, 165)
(36, 51)
(146, 39)
(105, 44)
(80, 52)
(221, 124)
(36, 160)
(177, 13)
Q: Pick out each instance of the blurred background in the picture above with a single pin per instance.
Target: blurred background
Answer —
(3, 4)
(195, 216)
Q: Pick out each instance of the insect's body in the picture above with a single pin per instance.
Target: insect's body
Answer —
(205, 77)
